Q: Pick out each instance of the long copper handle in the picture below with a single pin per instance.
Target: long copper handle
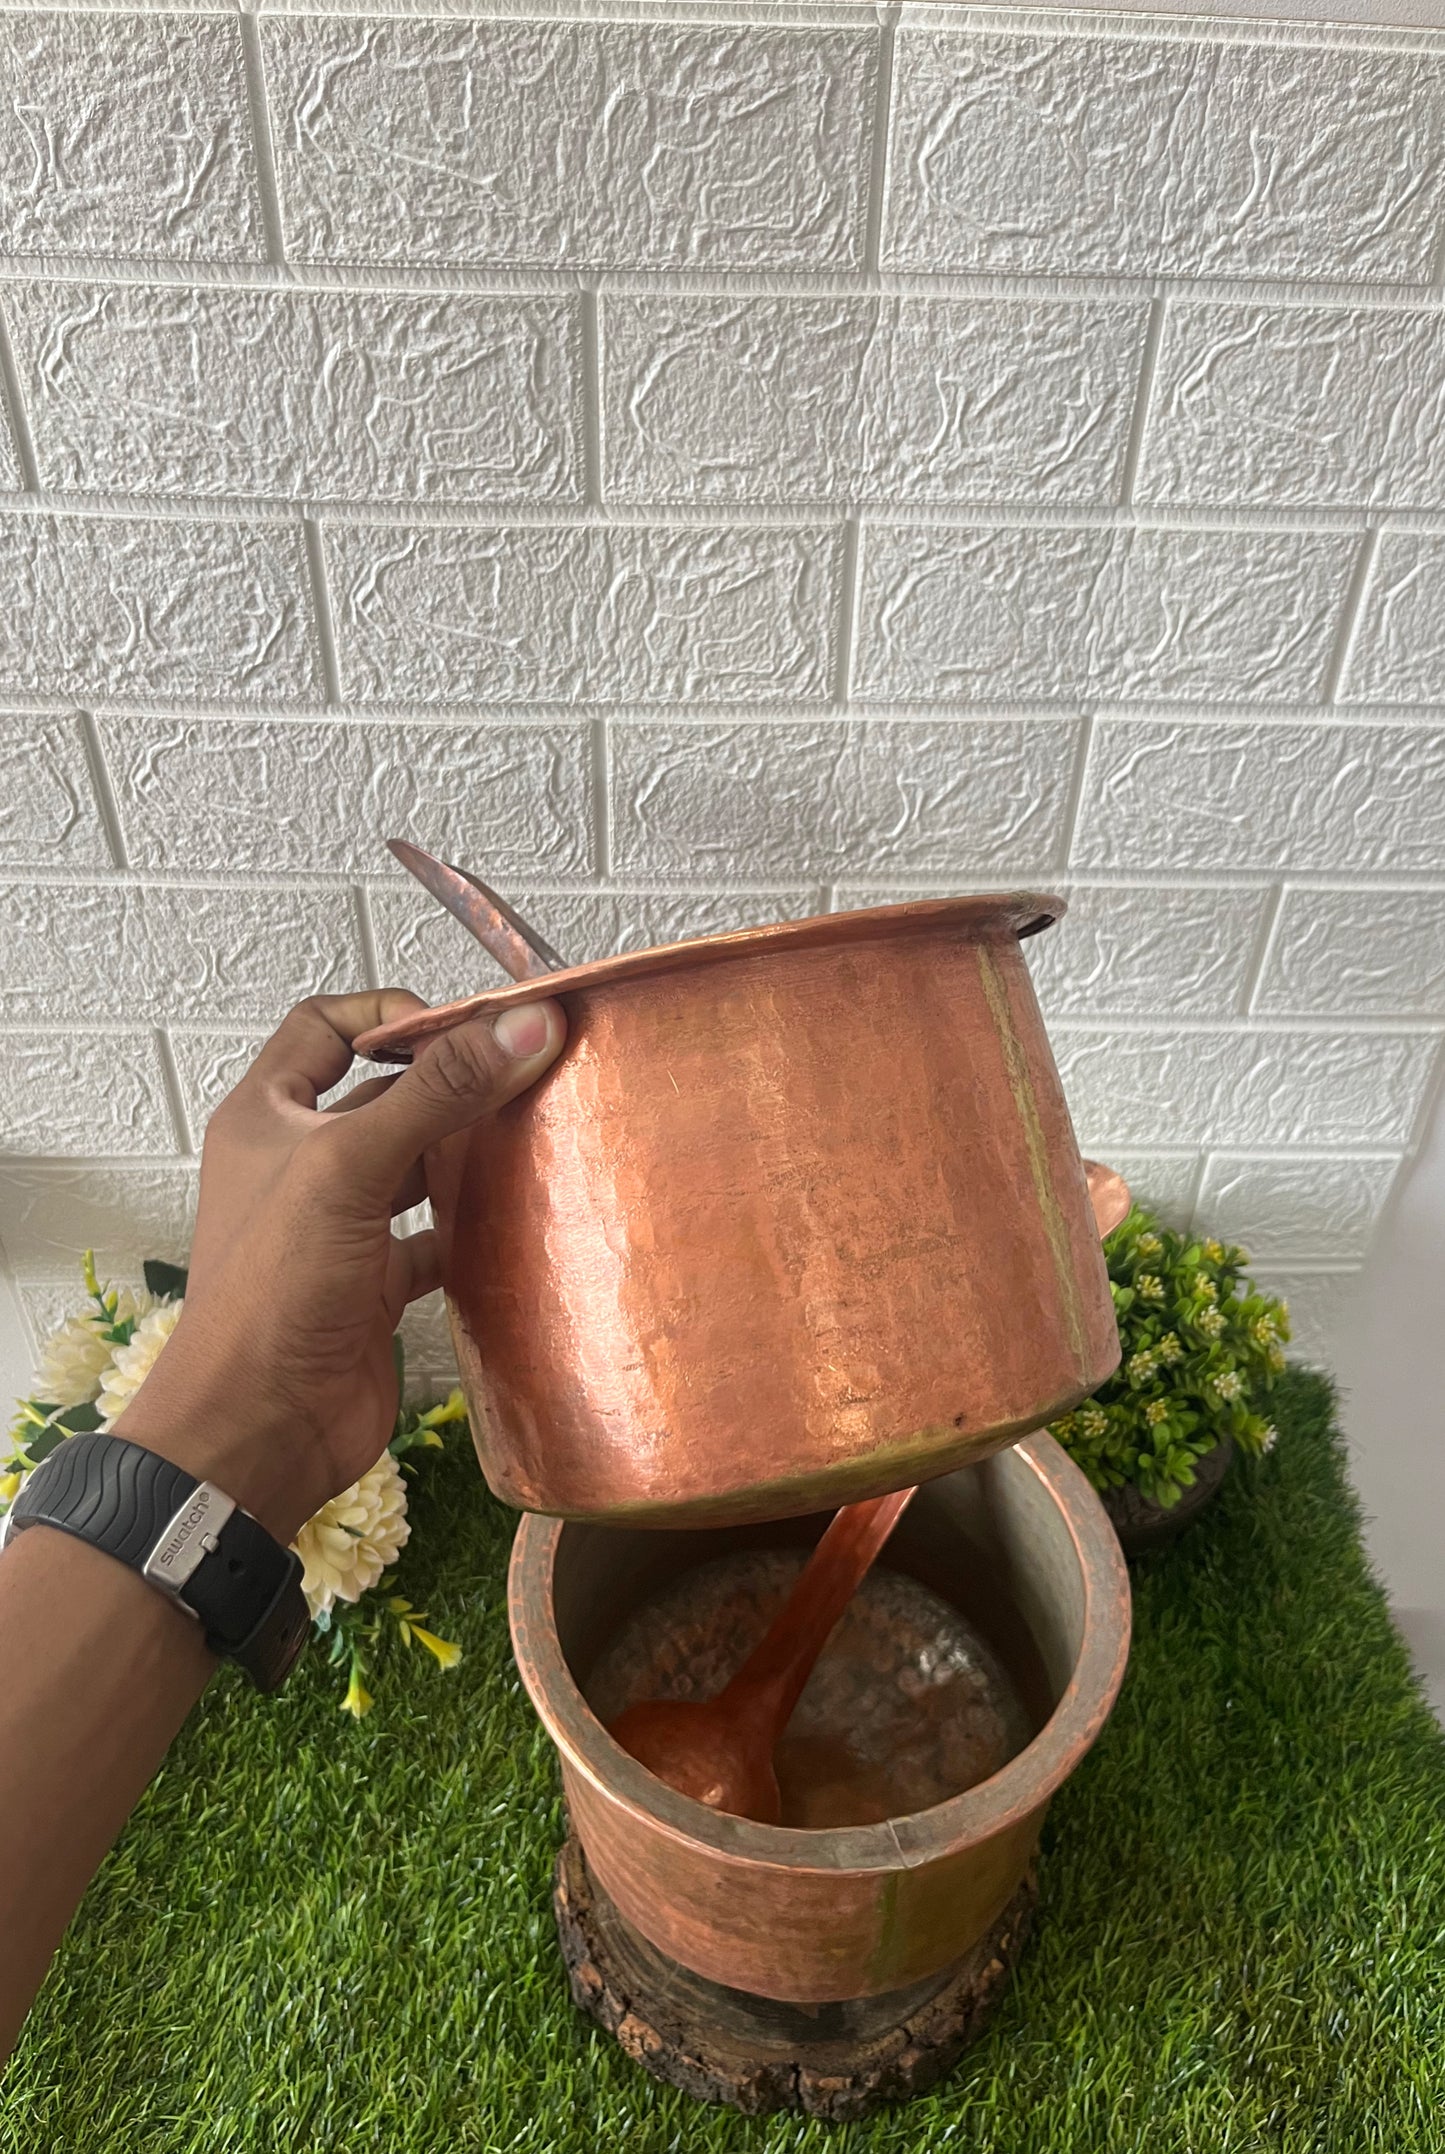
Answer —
(776, 1670)
(517, 947)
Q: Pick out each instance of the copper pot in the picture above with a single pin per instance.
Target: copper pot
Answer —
(1022, 1545)
(797, 1218)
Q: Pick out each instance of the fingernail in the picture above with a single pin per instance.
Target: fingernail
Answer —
(523, 1031)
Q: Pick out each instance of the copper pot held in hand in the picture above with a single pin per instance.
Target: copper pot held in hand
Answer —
(798, 1217)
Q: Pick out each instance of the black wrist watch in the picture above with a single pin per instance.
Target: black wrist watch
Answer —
(185, 1537)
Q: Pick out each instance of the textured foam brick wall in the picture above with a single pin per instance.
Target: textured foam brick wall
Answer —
(707, 469)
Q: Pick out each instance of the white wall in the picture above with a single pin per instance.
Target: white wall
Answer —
(701, 467)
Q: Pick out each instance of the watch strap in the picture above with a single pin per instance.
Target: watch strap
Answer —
(184, 1536)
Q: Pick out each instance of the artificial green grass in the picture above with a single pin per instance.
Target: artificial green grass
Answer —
(318, 1937)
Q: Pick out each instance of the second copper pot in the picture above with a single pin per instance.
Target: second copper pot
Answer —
(797, 1217)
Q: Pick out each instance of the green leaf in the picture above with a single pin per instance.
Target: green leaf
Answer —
(78, 1420)
(50, 1439)
(167, 1281)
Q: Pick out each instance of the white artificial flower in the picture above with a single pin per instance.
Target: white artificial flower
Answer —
(133, 1363)
(74, 1358)
(349, 1543)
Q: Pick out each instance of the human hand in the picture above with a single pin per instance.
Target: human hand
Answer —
(278, 1383)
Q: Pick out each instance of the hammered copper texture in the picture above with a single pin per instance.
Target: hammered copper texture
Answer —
(797, 1218)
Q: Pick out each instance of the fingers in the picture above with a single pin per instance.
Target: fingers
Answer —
(462, 1074)
(361, 1093)
(310, 1050)
(412, 1190)
(413, 1268)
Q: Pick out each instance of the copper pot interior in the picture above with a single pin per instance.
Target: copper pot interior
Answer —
(950, 1540)
(1020, 1546)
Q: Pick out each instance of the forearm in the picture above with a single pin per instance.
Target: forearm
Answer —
(100, 1672)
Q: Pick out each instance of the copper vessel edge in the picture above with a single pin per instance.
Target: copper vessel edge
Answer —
(1006, 1799)
(1016, 913)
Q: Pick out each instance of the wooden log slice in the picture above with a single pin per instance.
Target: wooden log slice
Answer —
(834, 2061)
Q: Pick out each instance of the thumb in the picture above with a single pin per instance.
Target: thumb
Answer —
(458, 1077)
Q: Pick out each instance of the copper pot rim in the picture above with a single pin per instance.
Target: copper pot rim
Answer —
(1006, 1799)
(1016, 912)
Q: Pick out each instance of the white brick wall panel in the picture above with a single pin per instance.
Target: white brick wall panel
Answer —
(1036, 154)
(300, 395)
(51, 1214)
(948, 615)
(1398, 653)
(126, 134)
(261, 797)
(856, 897)
(1259, 1089)
(550, 144)
(421, 947)
(1338, 798)
(69, 1094)
(211, 1064)
(837, 798)
(1319, 1305)
(1297, 405)
(1161, 1182)
(427, 1337)
(170, 955)
(1310, 1208)
(48, 814)
(1132, 952)
(800, 400)
(11, 480)
(46, 1304)
(564, 615)
(1378, 953)
(133, 608)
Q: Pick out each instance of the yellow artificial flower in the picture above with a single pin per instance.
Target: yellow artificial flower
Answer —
(410, 1621)
(358, 1699)
(452, 1408)
(10, 1486)
(443, 1651)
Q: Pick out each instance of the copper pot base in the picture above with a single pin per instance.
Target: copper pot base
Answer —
(837, 2062)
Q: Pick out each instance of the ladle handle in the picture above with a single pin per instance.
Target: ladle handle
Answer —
(774, 1673)
(517, 947)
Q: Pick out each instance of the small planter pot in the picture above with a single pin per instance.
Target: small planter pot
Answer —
(1020, 1545)
(1141, 1523)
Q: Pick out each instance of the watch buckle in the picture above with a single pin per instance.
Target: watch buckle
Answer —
(185, 1542)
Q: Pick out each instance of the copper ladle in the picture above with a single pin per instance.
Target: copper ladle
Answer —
(720, 1751)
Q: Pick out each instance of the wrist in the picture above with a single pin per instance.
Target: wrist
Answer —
(215, 1428)
(229, 1460)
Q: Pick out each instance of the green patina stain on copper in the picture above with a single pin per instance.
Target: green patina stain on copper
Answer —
(1055, 1225)
(883, 1960)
